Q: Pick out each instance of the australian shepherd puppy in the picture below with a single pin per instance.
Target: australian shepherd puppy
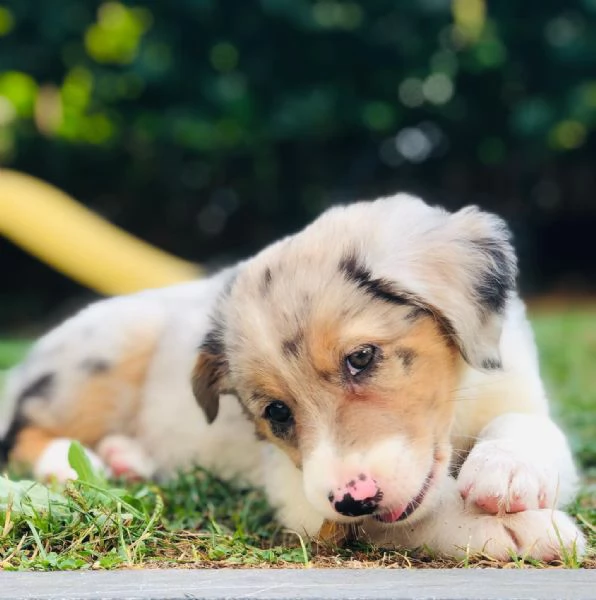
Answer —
(374, 373)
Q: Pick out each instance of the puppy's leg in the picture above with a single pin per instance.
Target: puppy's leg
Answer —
(541, 534)
(452, 530)
(125, 457)
(520, 462)
(47, 454)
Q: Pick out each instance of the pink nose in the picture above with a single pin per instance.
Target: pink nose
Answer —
(360, 496)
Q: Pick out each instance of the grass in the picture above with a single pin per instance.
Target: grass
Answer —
(199, 521)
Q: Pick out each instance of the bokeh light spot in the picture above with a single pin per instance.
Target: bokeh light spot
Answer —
(413, 144)
(562, 31)
(410, 92)
(438, 88)
(444, 61)
(224, 57)
(469, 17)
(116, 36)
(567, 135)
(379, 116)
(20, 90)
(337, 15)
(6, 21)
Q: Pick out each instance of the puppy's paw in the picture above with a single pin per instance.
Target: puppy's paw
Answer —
(53, 462)
(499, 478)
(546, 535)
(125, 457)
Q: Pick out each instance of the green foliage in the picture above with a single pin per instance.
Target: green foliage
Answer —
(93, 523)
(257, 72)
(568, 351)
(11, 352)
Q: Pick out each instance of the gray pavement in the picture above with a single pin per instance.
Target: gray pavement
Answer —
(304, 584)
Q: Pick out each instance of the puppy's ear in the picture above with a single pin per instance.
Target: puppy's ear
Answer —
(462, 266)
(473, 271)
(210, 374)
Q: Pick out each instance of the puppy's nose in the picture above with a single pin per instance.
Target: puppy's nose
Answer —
(350, 507)
(357, 498)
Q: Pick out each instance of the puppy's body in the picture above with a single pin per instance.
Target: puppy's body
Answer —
(384, 360)
(116, 377)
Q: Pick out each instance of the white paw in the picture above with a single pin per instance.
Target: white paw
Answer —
(125, 457)
(546, 535)
(500, 477)
(53, 463)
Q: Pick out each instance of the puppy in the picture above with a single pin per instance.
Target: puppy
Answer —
(381, 356)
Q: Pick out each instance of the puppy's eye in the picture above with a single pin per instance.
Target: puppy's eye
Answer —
(278, 412)
(361, 359)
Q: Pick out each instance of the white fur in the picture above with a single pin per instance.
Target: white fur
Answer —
(453, 530)
(516, 453)
(325, 470)
(53, 462)
(519, 458)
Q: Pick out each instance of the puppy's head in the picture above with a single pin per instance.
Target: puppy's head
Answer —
(344, 343)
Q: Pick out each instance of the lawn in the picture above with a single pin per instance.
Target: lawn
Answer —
(197, 520)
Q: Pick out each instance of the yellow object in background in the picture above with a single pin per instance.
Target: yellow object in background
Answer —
(61, 232)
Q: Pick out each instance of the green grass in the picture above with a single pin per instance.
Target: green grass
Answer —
(11, 351)
(196, 520)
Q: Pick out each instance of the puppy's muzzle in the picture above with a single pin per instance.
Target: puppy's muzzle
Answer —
(357, 498)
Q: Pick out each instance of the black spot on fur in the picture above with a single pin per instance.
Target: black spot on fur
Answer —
(491, 364)
(18, 423)
(416, 313)
(446, 326)
(95, 366)
(266, 282)
(284, 431)
(41, 387)
(209, 378)
(356, 272)
(382, 289)
(291, 347)
(495, 283)
(213, 342)
(407, 356)
(353, 269)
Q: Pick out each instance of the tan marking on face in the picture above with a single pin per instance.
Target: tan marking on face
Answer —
(288, 446)
(29, 445)
(262, 388)
(323, 346)
(415, 401)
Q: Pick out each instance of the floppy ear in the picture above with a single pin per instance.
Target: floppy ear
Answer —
(210, 374)
(475, 270)
(462, 266)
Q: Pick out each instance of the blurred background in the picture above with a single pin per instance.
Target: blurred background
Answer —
(211, 127)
